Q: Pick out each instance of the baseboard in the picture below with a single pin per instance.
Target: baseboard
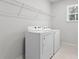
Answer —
(68, 43)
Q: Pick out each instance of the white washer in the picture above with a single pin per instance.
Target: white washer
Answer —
(39, 44)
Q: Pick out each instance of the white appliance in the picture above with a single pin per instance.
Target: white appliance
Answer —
(40, 43)
(57, 41)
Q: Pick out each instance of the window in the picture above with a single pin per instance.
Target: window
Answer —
(72, 13)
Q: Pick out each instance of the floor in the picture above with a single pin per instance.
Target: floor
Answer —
(66, 52)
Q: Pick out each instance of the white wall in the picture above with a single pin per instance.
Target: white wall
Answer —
(12, 28)
(69, 31)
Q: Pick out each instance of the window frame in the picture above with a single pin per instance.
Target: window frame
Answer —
(68, 14)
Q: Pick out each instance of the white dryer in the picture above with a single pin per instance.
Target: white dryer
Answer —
(57, 41)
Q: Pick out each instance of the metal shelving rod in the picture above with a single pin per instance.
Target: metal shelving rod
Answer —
(24, 18)
(20, 10)
(9, 3)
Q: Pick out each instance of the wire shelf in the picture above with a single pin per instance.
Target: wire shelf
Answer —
(26, 7)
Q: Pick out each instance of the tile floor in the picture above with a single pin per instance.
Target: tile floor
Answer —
(66, 52)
